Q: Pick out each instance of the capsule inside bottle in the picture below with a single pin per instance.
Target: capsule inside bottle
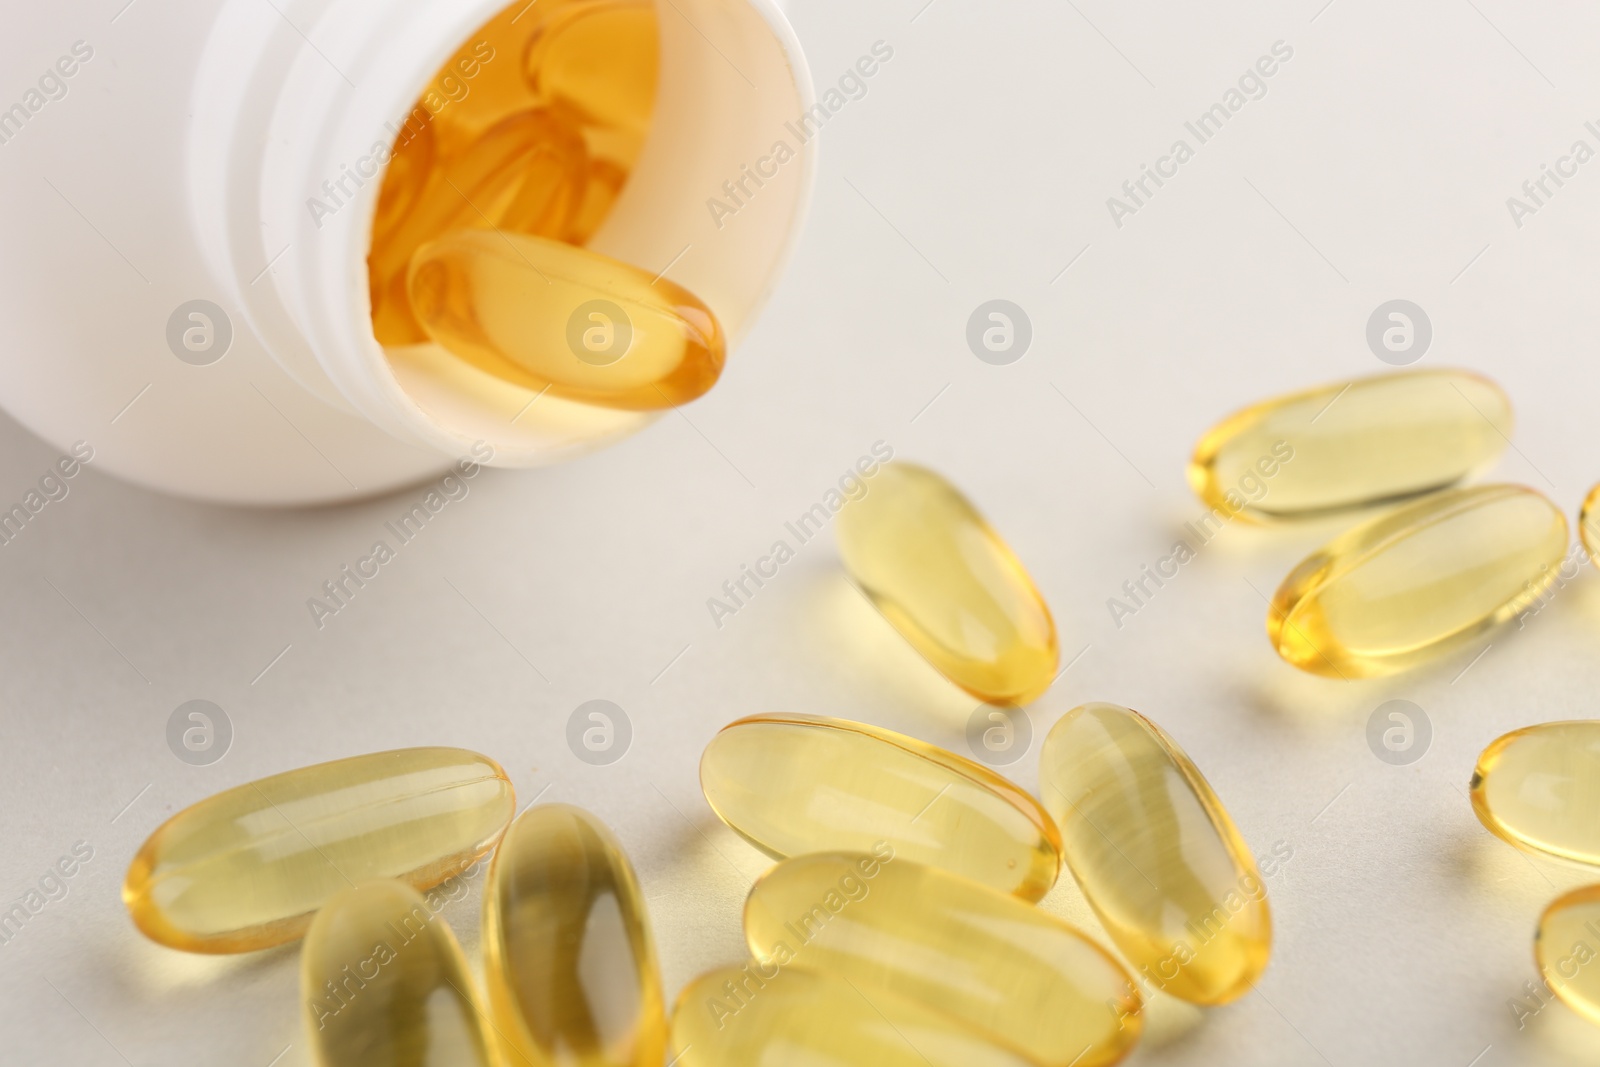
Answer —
(1156, 854)
(1352, 444)
(971, 954)
(790, 1017)
(384, 982)
(1539, 787)
(1418, 582)
(791, 784)
(928, 561)
(572, 973)
(551, 316)
(247, 868)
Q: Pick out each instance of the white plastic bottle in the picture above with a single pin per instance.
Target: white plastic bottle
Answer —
(167, 296)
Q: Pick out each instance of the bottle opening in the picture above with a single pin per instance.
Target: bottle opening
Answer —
(554, 250)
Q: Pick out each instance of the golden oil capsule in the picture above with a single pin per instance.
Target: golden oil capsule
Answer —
(983, 958)
(1155, 854)
(1539, 789)
(1352, 444)
(543, 314)
(791, 1017)
(1567, 946)
(1417, 582)
(385, 985)
(1589, 525)
(596, 60)
(525, 173)
(790, 784)
(247, 868)
(602, 186)
(572, 973)
(936, 570)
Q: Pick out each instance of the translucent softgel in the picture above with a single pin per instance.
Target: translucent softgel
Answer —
(1155, 854)
(971, 954)
(1352, 444)
(1539, 788)
(384, 984)
(1567, 948)
(572, 973)
(791, 1017)
(247, 868)
(942, 577)
(1417, 582)
(549, 315)
(798, 783)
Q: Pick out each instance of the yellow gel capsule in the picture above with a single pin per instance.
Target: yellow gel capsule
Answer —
(936, 570)
(1539, 788)
(245, 869)
(764, 1016)
(525, 173)
(596, 60)
(385, 985)
(1352, 444)
(1155, 854)
(1417, 582)
(1002, 967)
(1589, 525)
(1567, 946)
(572, 973)
(790, 784)
(543, 314)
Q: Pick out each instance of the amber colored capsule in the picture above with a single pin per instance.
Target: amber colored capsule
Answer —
(1567, 946)
(790, 784)
(410, 166)
(596, 60)
(572, 973)
(525, 173)
(1589, 525)
(983, 958)
(765, 1016)
(246, 868)
(385, 985)
(1417, 582)
(600, 191)
(1539, 789)
(1155, 854)
(540, 313)
(940, 574)
(1352, 444)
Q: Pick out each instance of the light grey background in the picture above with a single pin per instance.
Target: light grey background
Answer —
(978, 167)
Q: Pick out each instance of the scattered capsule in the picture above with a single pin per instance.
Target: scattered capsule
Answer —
(1155, 854)
(572, 973)
(540, 313)
(790, 784)
(986, 959)
(790, 1017)
(1566, 946)
(1539, 789)
(523, 174)
(1417, 582)
(596, 60)
(1352, 444)
(245, 869)
(385, 985)
(1589, 525)
(942, 577)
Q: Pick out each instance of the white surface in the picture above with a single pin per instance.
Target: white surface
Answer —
(990, 143)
